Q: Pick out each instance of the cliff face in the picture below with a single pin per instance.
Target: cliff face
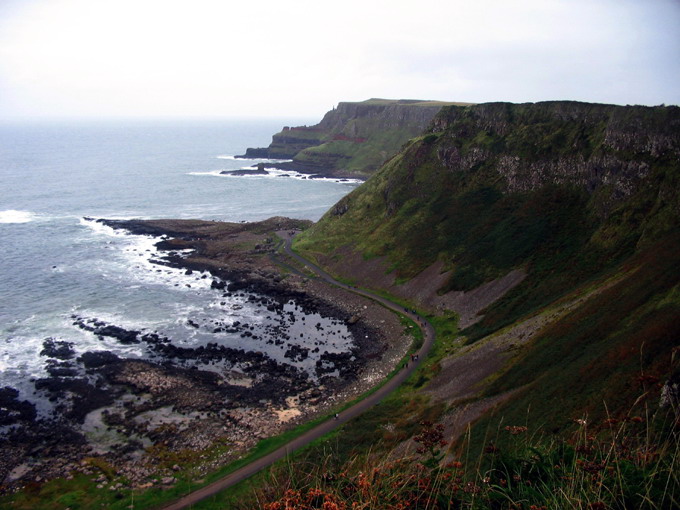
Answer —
(566, 143)
(550, 232)
(560, 190)
(361, 120)
(353, 139)
(290, 141)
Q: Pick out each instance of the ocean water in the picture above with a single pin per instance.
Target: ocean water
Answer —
(56, 264)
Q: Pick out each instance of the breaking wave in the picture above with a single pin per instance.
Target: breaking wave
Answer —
(14, 216)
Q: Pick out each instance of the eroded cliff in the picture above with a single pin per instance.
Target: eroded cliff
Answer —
(353, 139)
(559, 190)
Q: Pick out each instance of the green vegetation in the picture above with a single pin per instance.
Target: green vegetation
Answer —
(510, 459)
(583, 198)
(477, 196)
(355, 138)
(360, 157)
(608, 349)
(621, 467)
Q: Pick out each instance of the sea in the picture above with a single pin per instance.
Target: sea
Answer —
(57, 264)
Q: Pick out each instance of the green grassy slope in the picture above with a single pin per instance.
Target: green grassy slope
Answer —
(596, 361)
(564, 190)
(585, 199)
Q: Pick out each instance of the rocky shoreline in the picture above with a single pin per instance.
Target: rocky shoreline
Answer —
(307, 171)
(143, 421)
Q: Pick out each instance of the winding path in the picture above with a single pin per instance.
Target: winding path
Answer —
(323, 428)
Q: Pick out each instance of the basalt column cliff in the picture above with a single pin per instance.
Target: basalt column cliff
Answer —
(352, 140)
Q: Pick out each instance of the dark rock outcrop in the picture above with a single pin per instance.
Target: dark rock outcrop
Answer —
(247, 171)
(13, 410)
(57, 349)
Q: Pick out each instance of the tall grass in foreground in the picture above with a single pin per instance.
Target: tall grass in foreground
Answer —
(619, 464)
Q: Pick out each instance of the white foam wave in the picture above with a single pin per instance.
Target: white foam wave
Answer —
(262, 160)
(101, 228)
(14, 216)
(273, 173)
(212, 172)
(85, 341)
(136, 256)
(97, 227)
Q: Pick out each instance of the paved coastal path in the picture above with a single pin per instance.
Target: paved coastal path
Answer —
(330, 424)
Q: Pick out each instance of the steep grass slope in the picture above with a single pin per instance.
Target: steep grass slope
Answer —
(583, 199)
(597, 361)
(571, 379)
(562, 190)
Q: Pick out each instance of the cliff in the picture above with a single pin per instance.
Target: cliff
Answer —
(490, 187)
(548, 232)
(542, 242)
(353, 139)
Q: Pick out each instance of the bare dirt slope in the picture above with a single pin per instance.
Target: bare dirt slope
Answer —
(463, 376)
(423, 288)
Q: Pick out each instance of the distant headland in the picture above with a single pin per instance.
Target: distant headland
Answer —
(352, 140)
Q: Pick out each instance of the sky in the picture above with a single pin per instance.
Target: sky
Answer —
(262, 58)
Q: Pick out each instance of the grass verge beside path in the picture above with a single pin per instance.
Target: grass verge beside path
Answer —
(365, 431)
(237, 494)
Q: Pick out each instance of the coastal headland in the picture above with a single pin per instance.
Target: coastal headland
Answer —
(351, 141)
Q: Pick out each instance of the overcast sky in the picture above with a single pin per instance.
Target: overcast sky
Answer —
(301, 57)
